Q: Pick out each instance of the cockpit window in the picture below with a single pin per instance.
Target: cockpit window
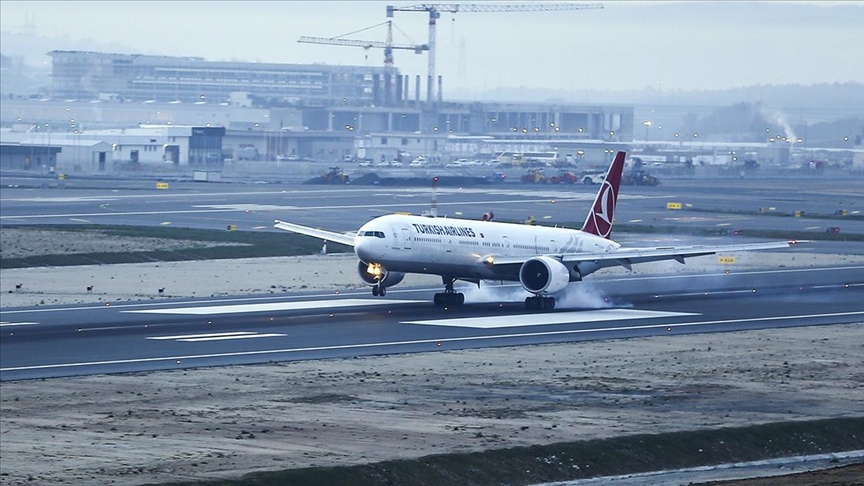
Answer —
(376, 234)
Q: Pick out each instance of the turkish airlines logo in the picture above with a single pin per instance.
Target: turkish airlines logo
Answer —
(603, 210)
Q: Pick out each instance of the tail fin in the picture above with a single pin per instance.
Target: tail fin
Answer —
(599, 220)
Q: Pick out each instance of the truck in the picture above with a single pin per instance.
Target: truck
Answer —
(593, 178)
(534, 175)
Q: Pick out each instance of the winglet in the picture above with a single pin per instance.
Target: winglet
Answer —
(599, 220)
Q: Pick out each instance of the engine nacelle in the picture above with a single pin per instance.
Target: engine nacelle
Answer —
(373, 273)
(543, 275)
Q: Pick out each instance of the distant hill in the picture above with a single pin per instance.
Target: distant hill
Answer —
(845, 98)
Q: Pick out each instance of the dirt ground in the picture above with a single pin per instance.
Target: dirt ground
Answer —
(223, 422)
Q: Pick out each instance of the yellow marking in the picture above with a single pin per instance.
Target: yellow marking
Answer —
(673, 205)
(726, 260)
(232, 227)
(797, 214)
(161, 185)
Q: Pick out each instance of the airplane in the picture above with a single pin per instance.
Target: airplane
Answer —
(544, 260)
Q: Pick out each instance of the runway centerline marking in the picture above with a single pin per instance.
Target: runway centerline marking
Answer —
(434, 341)
(219, 336)
(600, 315)
(272, 307)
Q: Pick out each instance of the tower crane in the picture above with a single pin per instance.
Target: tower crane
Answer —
(434, 10)
(387, 45)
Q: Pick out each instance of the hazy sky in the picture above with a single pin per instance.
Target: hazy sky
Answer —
(627, 45)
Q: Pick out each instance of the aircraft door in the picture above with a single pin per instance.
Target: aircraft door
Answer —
(406, 239)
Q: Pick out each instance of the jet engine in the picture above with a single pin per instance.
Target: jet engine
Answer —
(374, 273)
(543, 275)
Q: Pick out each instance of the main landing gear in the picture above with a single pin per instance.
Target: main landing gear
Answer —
(379, 289)
(449, 297)
(540, 302)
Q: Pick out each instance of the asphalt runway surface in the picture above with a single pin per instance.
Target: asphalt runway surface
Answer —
(132, 337)
(720, 204)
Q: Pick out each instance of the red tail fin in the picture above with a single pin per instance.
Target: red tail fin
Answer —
(599, 220)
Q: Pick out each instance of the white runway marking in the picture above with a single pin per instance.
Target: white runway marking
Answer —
(275, 306)
(10, 324)
(495, 322)
(248, 207)
(433, 341)
(220, 336)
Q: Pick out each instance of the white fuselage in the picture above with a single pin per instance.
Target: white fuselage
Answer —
(464, 248)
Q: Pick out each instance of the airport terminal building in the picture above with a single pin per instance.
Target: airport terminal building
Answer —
(107, 76)
(270, 111)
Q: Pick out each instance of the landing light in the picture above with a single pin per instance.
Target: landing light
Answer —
(374, 269)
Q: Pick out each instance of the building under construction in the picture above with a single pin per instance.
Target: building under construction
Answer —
(88, 75)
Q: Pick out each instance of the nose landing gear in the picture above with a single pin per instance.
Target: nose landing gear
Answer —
(379, 289)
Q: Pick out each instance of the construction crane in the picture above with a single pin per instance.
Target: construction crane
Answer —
(434, 10)
(387, 45)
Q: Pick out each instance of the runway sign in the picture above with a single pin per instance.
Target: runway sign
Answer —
(274, 306)
(575, 317)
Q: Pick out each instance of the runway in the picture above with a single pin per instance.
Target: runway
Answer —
(724, 204)
(47, 342)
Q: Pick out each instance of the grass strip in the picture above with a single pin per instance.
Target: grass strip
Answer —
(584, 459)
(243, 244)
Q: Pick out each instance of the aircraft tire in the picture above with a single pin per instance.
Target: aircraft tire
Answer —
(460, 298)
(375, 290)
(439, 300)
(382, 291)
(539, 302)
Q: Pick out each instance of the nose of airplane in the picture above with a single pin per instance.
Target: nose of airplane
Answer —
(364, 248)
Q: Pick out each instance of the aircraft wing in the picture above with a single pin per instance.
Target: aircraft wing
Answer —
(341, 238)
(627, 256)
